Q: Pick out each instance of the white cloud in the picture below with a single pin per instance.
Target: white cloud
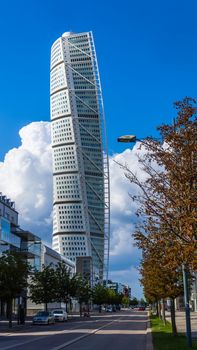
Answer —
(124, 257)
(123, 209)
(26, 177)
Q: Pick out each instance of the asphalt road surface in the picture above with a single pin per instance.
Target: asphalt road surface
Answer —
(117, 331)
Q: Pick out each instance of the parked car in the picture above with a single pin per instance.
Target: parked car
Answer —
(109, 309)
(60, 315)
(114, 308)
(43, 317)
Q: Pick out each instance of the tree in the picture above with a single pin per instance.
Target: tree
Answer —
(100, 294)
(84, 293)
(111, 296)
(167, 199)
(125, 301)
(134, 302)
(167, 202)
(13, 278)
(118, 299)
(142, 302)
(66, 285)
(43, 286)
(160, 279)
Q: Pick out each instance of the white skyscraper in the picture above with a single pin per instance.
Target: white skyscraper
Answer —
(80, 158)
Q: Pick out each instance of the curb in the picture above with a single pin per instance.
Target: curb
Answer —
(15, 328)
(149, 340)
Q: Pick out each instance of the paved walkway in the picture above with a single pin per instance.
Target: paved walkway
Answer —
(180, 322)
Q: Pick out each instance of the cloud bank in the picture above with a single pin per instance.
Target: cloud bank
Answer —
(26, 178)
(124, 257)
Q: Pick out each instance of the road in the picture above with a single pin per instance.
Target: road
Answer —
(117, 331)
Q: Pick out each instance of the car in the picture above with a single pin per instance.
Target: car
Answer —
(141, 308)
(43, 317)
(60, 315)
(114, 308)
(108, 309)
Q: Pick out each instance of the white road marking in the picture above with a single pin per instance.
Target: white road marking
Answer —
(93, 331)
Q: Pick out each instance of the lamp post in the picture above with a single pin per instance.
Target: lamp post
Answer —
(127, 139)
(187, 308)
(131, 139)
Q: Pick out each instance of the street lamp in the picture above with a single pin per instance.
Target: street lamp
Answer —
(187, 307)
(127, 138)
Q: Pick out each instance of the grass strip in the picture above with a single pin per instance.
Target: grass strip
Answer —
(163, 338)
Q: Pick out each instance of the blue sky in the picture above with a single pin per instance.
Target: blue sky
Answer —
(146, 50)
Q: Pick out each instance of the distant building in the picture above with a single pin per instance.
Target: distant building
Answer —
(13, 238)
(120, 288)
(80, 157)
(8, 220)
(84, 268)
(50, 256)
(37, 254)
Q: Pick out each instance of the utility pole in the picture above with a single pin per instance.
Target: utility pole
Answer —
(187, 308)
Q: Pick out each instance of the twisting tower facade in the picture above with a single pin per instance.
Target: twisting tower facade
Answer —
(81, 203)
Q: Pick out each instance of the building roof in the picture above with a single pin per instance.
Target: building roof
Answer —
(58, 256)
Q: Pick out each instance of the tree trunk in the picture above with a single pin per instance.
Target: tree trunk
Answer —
(88, 309)
(46, 306)
(2, 307)
(80, 309)
(157, 308)
(163, 311)
(9, 312)
(173, 317)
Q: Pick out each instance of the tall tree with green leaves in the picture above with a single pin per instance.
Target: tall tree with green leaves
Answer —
(111, 296)
(125, 301)
(100, 294)
(84, 293)
(66, 284)
(13, 278)
(42, 287)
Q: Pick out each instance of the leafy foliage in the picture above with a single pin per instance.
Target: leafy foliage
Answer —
(167, 200)
(43, 286)
(66, 285)
(13, 278)
(13, 275)
(100, 294)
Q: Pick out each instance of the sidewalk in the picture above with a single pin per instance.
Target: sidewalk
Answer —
(181, 324)
(4, 324)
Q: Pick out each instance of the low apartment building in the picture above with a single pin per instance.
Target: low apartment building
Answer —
(36, 253)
